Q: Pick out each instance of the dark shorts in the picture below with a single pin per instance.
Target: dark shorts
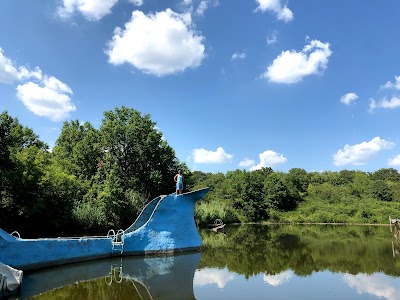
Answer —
(179, 186)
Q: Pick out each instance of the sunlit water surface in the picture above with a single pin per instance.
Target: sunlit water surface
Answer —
(244, 262)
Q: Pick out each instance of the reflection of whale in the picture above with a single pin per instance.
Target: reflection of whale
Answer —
(166, 277)
(165, 225)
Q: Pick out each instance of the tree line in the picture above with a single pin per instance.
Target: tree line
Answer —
(298, 196)
(96, 179)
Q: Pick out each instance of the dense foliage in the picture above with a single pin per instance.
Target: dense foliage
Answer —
(92, 180)
(96, 179)
(299, 197)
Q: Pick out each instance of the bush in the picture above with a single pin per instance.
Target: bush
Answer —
(89, 217)
(380, 190)
(207, 213)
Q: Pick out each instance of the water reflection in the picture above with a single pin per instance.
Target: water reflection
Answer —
(278, 279)
(376, 284)
(248, 262)
(169, 277)
(271, 250)
(302, 262)
(208, 276)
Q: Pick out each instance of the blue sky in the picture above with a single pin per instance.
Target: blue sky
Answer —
(231, 84)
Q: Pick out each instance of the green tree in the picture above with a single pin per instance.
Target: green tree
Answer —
(234, 183)
(345, 177)
(336, 179)
(13, 138)
(299, 178)
(41, 194)
(316, 178)
(386, 174)
(142, 159)
(277, 194)
(380, 190)
(252, 198)
(360, 184)
(78, 149)
(22, 160)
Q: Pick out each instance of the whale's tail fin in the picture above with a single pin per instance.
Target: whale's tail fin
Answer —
(149, 210)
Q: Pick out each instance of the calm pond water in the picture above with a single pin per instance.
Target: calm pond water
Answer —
(244, 262)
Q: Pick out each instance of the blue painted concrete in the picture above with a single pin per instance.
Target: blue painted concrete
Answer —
(35, 253)
(170, 228)
(145, 215)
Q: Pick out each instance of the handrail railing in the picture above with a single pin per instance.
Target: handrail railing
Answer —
(16, 234)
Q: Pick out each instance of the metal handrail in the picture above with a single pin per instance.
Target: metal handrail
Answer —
(16, 234)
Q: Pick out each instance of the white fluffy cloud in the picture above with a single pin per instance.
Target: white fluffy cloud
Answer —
(390, 104)
(208, 276)
(269, 158)
(10, 73)
(291, 66)
(236, 56)
(281, 10)
(219, 156)
(278, 279)
(49, 99)
(384, 103)
(393, 103)
(158, 44)
(46, 96)
(392, 85)
(395, 161)
(247, 162)
(92, 10)
(349, 98)
(361, 153)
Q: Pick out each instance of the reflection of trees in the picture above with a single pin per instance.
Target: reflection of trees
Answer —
(94, 289)
(254, 249)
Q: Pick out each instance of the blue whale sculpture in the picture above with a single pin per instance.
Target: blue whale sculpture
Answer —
(166, 225)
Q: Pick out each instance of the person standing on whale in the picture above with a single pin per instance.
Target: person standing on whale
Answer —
(179, 182)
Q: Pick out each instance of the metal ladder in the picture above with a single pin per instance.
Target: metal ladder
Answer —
(117, 240)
